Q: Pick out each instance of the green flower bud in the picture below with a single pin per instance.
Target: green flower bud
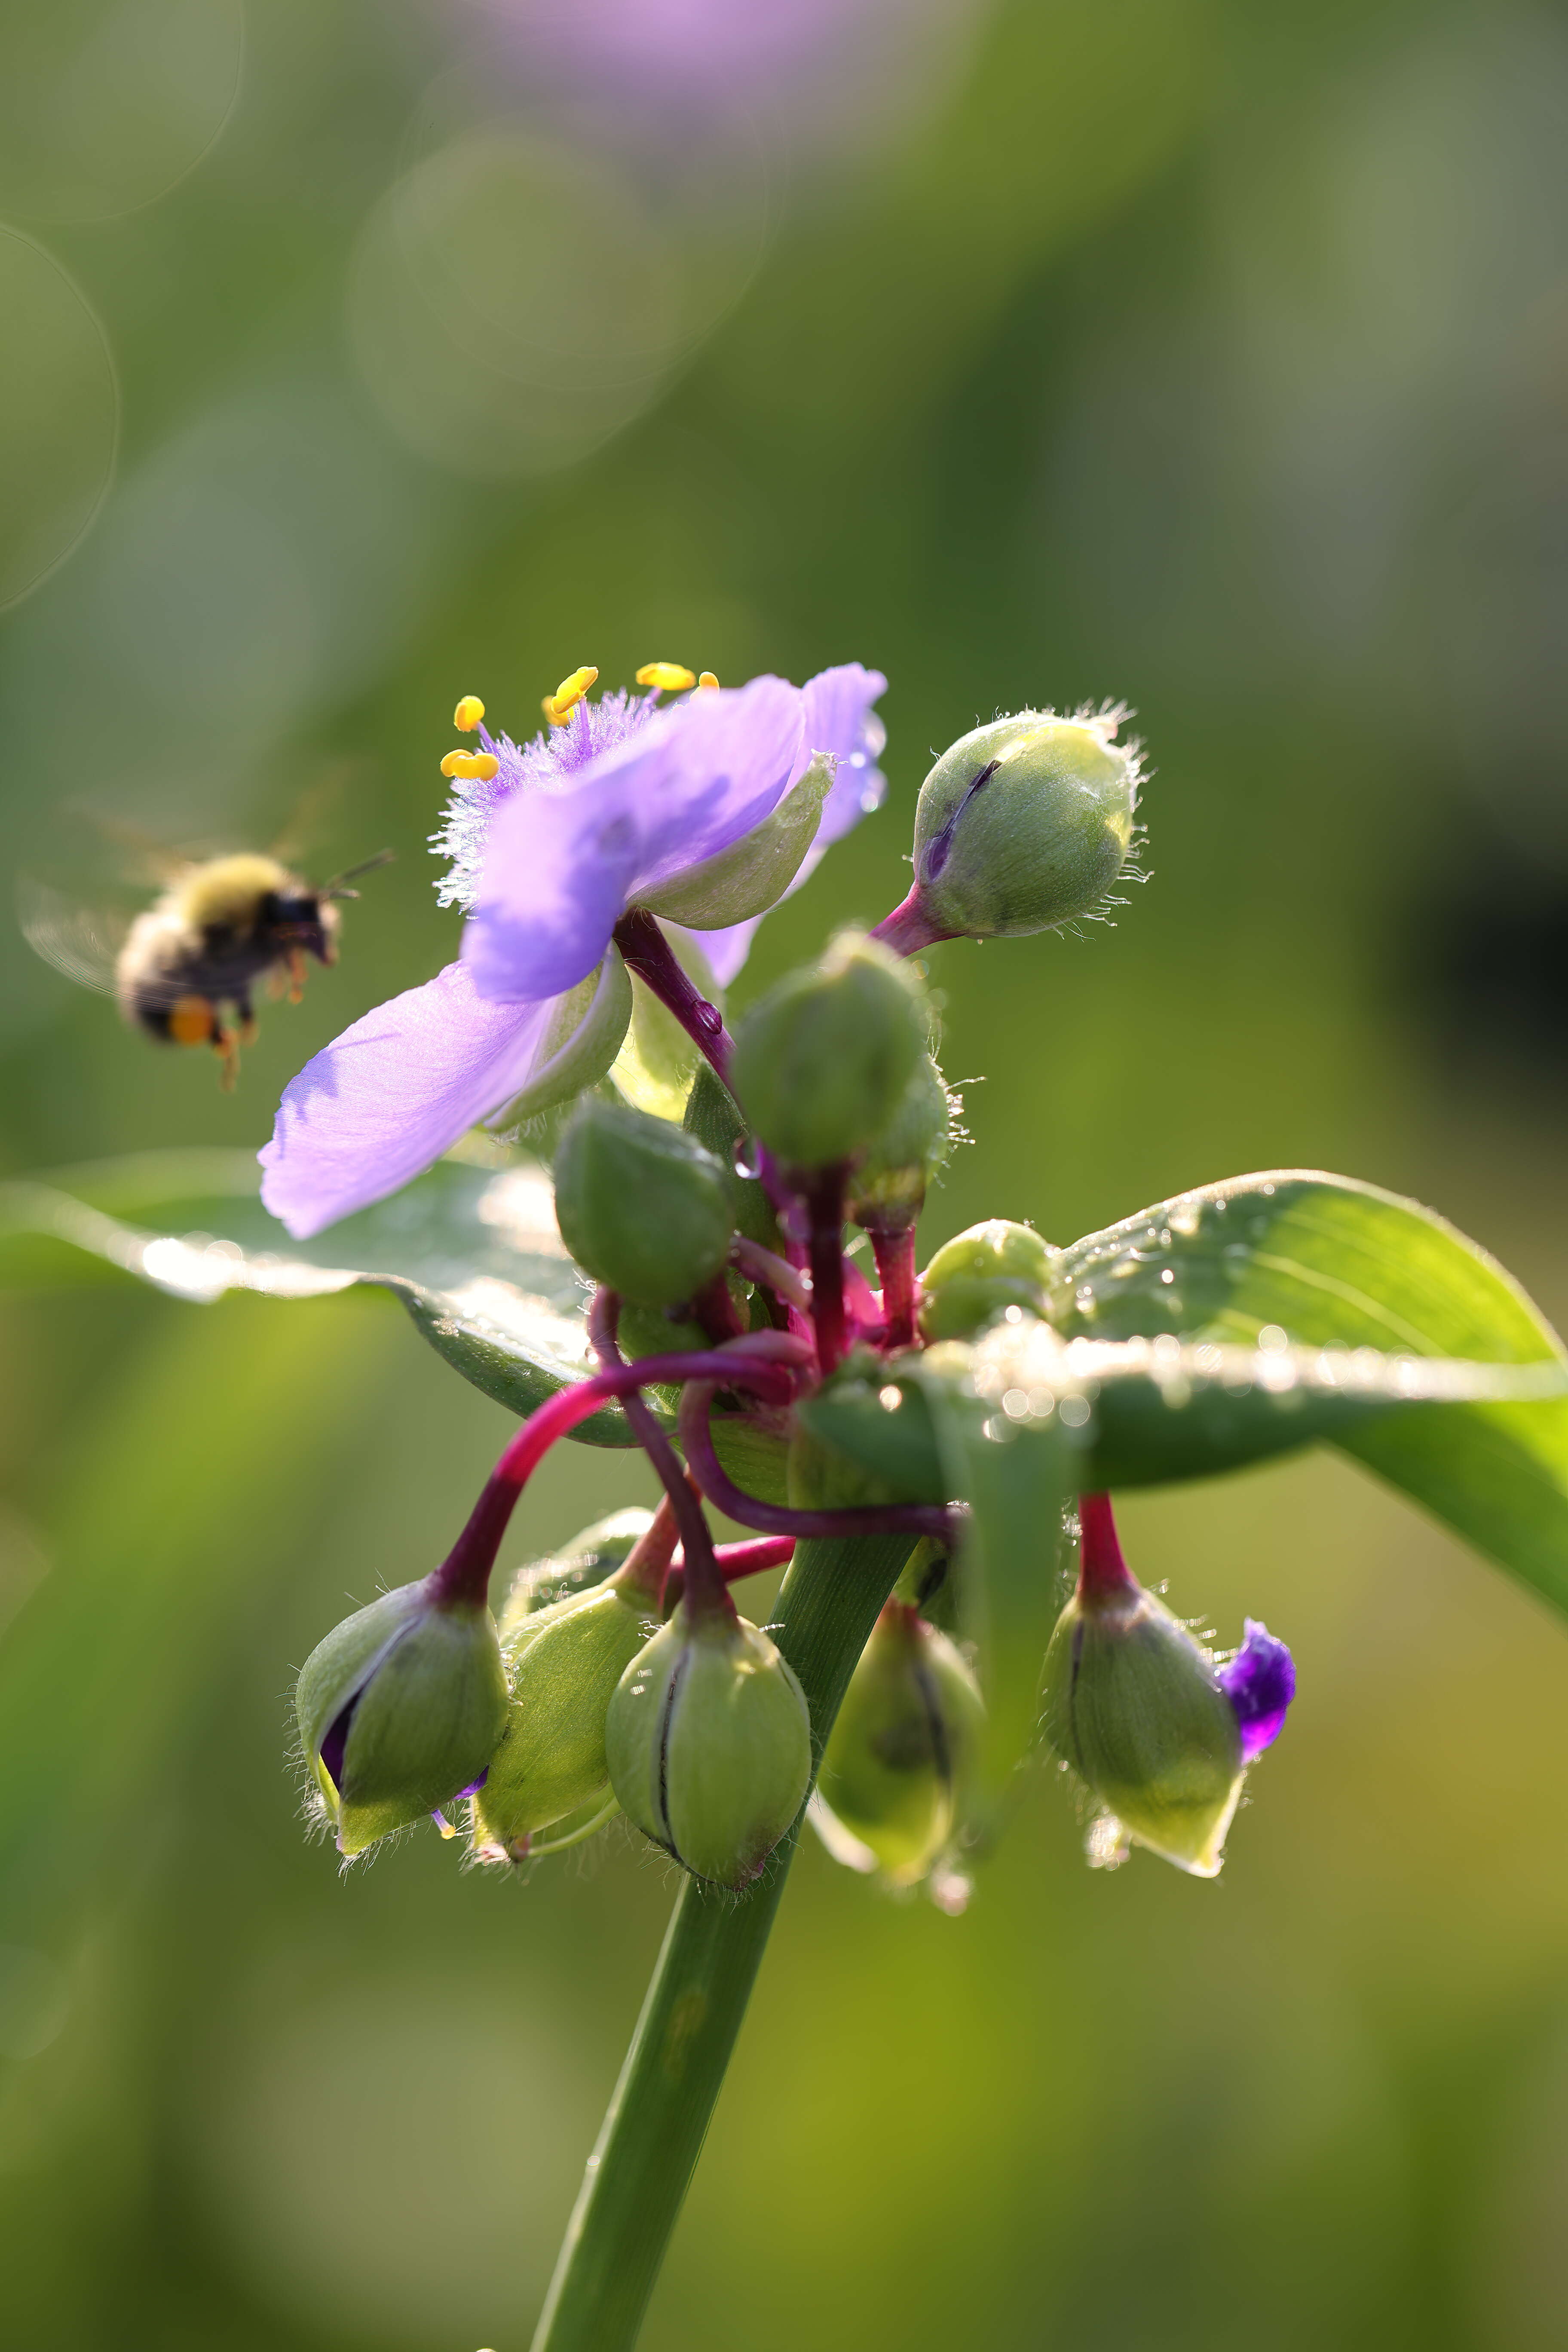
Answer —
(1133, 1704)
(708, 1742)
(567, 1660)
(399, 1711)
(640, 1205)
(755, 872)
(979, 1275)
(586, 1560)
(896, 1761)
(888, 1183)
(822, 1061)
(1023, 825)
(585, 1034)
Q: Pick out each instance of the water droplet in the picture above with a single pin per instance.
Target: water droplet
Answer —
(708, 1018)
(1075, 1411)
(748, 1157)
(1167, 1276)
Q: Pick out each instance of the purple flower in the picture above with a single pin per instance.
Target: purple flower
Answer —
(1260, 1683)
(549, 844)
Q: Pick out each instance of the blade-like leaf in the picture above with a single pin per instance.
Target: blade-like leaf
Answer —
(1324, 1262)
(473, 1255)
(1017, 1479)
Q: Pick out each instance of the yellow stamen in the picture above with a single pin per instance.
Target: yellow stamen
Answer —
(667, 678)
(467, 714)
(706, 682)
(558, 707)
(456, 763)
(483, 765)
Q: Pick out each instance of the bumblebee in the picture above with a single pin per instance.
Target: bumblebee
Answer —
(185, 969)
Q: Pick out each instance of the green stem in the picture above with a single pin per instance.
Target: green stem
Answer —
(653, 2134)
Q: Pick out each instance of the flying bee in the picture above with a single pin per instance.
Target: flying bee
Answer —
(185, 970)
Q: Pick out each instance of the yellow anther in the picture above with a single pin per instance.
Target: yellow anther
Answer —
(483, 765)
(456, 763)
(558, 707)
(467, 714)
(706, 682)
(667, 677)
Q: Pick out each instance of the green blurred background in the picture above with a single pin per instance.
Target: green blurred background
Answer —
(1211, 356)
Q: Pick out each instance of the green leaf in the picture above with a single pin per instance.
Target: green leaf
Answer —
(1017, 1479)
(473, 1255)
(1323, 1262)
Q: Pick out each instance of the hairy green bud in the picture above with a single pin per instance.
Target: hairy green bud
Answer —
(822, 1061)
(709, 1741)
(1133, 1704)
(755, 872)
(897, 1759)
(640, 1204)
(587, 1560)
(399, 1710)
(567, 1660)
(1023, 825)
(979, 1275)
(888, 1183)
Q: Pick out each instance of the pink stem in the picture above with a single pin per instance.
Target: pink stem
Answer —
(895, 1257)
(760, 1265)
(464, 1575)
(1102, 1572)
(751, 1511)
(825, 1200)
(685, 1505)
(645, 950)
(909, 929)
(734, 1561)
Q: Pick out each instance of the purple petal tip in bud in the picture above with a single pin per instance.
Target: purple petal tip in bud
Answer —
(1260, 1683)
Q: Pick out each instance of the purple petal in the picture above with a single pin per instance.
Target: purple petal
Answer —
(392, 1094)
(1260, 1683)
(840, 718)
(562, 866)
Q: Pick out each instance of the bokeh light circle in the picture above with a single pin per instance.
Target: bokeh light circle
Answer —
(105, 105)
(513, 303)
(59, 416)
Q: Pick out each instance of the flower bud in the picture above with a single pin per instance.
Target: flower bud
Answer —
(888, 1183)
(1023, 825)
(1139, 1709)
(708, 1742)
(567, 1662)
(400, 1709)
(979, 1275)
(587, 1560)
(640, 1204)
(755, 872)
(822, 1061)
(896, 1760)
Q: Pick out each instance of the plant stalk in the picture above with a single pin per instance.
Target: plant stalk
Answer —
(652, 2136)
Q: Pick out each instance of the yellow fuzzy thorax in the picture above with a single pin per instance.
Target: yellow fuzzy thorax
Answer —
(228, 889)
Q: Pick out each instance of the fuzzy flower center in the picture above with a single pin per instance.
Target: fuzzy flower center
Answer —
(579, 731)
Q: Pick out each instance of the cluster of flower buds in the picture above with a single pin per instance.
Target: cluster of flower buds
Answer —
(621, 1677)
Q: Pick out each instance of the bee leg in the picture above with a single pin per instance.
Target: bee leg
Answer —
(226, 1045)
(248, 1031)
(277, 983)
(296, 974)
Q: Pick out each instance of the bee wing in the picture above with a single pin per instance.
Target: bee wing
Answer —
(143, 857)
(81, 941)
(308, 819)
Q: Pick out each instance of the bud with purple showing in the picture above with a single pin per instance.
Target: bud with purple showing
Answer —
(1156, 1731)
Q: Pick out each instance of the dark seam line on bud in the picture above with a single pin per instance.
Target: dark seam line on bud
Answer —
(1072, 1689)
(941, 849)
(666, 1725)
(940, 1747)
